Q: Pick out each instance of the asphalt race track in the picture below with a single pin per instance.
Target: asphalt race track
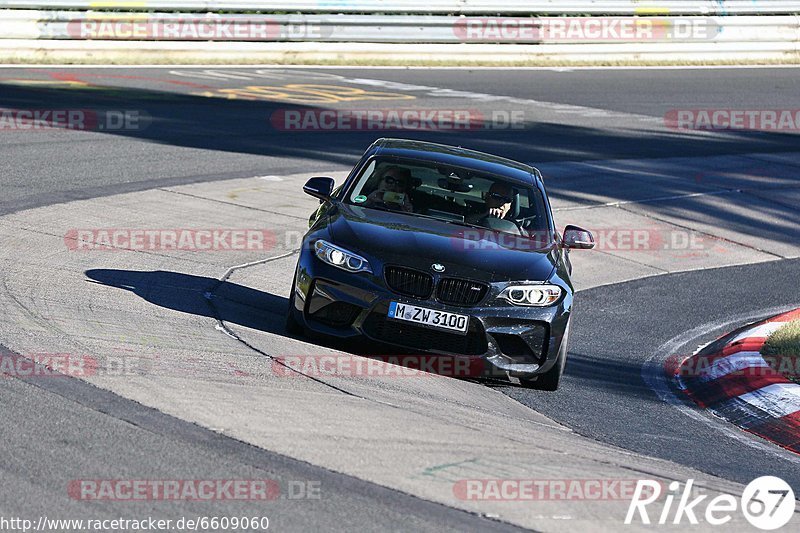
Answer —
(568, 116)
(600, 132)
(619, 327)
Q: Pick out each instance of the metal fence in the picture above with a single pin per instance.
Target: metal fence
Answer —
(460, 7)
(30, 24)
(619, 30)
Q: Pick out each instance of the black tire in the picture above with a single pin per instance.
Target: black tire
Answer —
(293, 326)
(550, 380)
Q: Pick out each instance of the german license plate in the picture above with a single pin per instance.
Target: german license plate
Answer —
(429, 317)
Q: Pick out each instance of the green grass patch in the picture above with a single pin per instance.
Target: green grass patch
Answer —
(784, 343)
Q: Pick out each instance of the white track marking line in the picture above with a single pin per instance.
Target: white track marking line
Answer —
(557, 107)
(647, 200)
(764, 330)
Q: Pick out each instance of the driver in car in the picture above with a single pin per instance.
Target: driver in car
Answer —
(498, 203)
(392, 191)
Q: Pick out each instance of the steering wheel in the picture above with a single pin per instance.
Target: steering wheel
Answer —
(500, 224)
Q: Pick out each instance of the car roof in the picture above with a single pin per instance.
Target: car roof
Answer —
(455, 156)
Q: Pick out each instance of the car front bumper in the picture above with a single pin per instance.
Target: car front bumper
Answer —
(517, 341)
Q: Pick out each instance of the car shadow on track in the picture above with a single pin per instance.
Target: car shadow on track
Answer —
(200, 295)
(174, 112)
(605, 375)
(244, 306)
(613, 381)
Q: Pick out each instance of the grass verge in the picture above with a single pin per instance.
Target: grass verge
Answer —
(782, 350)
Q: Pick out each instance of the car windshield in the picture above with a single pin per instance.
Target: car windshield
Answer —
(451, 194)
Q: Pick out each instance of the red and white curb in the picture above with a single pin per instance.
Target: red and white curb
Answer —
(730, 378)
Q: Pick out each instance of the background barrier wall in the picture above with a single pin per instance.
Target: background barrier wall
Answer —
(31, 24)
(465, 7)
(619, 30)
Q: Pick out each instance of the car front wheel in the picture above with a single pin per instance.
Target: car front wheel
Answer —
(550, 380)
(293, 327)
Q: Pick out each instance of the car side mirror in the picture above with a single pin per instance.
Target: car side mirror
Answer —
(577, 238)
(319, 187)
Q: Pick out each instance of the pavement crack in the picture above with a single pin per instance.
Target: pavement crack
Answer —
(634, 261)
(701, 232)
(233, 269)
(107, 247)
(198, 197)
(223, 327)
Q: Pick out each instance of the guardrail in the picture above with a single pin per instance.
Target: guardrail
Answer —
(227, 34)
(462, 7)
(29, 24)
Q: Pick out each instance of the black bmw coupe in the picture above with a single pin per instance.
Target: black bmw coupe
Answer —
(442, 250)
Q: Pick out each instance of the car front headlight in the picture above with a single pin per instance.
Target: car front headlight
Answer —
(531, 295)
(340, 258)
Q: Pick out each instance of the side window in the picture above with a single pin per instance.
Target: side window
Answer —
(532, 211)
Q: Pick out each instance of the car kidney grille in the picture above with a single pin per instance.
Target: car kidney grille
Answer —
(456, 291)
(409, 282)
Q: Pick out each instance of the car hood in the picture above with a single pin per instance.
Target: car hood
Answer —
(419, 242)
